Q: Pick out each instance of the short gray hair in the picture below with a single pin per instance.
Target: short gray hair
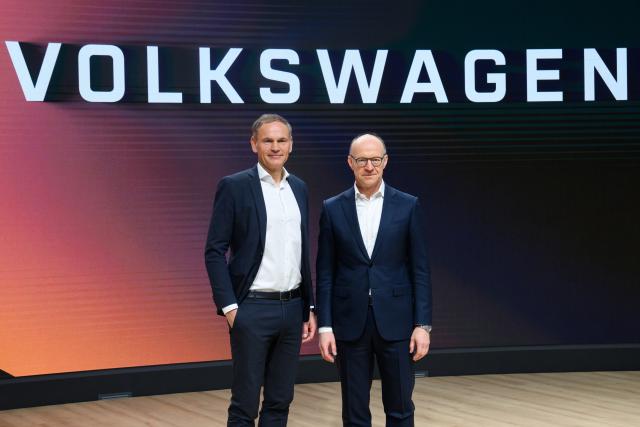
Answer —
(269, 118)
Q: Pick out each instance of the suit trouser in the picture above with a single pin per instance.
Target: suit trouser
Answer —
(265, 347)
(355, 364)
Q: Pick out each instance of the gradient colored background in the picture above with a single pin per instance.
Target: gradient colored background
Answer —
(532, 208)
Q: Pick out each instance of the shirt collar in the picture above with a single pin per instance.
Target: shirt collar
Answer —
(266, 176)
(379, 193)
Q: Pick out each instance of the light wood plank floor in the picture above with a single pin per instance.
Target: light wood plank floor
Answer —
(561, 399)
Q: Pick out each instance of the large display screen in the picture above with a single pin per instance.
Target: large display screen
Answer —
(516, 124)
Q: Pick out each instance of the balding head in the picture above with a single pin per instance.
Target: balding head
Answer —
(368, 139)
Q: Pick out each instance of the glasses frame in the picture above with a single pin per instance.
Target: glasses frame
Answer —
(363, 161)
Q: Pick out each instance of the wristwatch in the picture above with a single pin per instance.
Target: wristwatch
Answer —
(425, 327)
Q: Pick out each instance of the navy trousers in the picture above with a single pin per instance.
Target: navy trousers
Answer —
(355, 364)
(265, 347)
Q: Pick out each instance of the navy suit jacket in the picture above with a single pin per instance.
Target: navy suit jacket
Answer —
(239, 224)
(397, 271)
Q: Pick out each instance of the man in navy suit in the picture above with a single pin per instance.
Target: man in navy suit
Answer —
(373, 288)
(260, 221)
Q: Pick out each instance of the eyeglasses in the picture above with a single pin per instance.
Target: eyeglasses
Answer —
(362, 161)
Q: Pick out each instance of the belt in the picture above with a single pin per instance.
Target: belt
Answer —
(279, 296)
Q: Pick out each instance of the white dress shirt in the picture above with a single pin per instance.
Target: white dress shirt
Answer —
(369, 212)
(281, 261)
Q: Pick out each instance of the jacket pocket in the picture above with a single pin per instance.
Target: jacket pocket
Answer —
(402, 290)
(341, 292)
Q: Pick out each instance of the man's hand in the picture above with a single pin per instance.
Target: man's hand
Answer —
(309, 328)
(231, 317)
(328, 346)
(420, 341)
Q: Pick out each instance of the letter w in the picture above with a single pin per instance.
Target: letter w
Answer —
(352, 61)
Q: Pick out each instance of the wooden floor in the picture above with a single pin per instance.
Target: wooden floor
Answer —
(565, 399)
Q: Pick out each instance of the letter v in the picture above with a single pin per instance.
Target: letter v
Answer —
(37, 91)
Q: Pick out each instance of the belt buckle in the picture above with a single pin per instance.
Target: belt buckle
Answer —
(285, 296)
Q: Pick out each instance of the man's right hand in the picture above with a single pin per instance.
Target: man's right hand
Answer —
(231, 317)
(327, 344)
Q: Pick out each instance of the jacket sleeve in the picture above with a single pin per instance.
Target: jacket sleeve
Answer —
(325, 267)
(420, 272)
(218, 240)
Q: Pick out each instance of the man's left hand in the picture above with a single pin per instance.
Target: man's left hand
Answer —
(309, 328)
(420, 341)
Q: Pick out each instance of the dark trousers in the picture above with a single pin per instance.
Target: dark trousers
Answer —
(265, 346)
(355, 364)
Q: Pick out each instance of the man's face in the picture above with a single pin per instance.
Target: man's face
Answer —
(272, 143)
(368, 177)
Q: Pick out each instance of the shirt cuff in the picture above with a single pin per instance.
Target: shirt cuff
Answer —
(229, 308)
(325, 329)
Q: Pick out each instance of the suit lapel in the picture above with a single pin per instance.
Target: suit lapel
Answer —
(388, 210)
(258, 198)
(299, 195)
(349, 209)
